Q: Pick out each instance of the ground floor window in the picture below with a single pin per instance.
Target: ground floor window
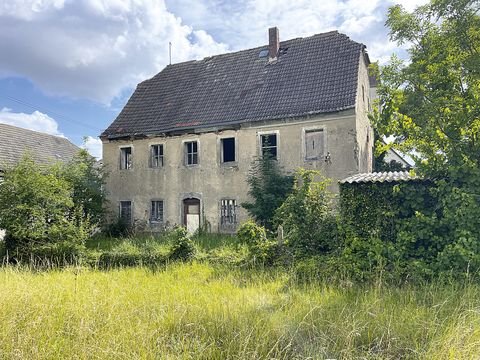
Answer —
(126, 211)
(156, 211)
(228, 212)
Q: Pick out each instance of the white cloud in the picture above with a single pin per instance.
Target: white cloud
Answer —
(94, 48)
(37, 121)
(94, 146)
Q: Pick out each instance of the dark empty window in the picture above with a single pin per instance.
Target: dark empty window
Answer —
(156, 156)
(156, 211)
(314, 144)
(269, 145)
(228, 150)
(126, 211)
(126, 158)
(191, 153)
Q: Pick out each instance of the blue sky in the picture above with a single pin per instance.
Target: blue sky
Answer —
(68, 67)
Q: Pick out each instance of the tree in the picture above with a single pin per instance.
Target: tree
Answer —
(38, 212)
(88, 181)
(307, 216)
(269, 187)
(431, 107)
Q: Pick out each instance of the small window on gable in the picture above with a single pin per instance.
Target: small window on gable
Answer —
(314, 144)
(156, 211)
(228, 150)
(228, 213)
(125, 158)
(156, 156)
(268, 143)
(125, 211)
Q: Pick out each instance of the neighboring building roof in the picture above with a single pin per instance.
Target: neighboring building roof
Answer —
(395, 176)
(44, 148)
(394, 155)
(312, 75)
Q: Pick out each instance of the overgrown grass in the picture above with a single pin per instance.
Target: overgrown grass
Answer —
(200, 311)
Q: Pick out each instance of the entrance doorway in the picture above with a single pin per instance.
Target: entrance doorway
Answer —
(191, 214)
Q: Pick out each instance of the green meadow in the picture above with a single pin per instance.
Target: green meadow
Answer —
(201, 311)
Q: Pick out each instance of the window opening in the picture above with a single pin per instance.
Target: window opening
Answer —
(156, 153)
(156, 211)
(228, 150)
(269, 145)
(191, 149)
(126, 158)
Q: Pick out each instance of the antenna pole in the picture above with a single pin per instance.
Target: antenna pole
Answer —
(170, 51)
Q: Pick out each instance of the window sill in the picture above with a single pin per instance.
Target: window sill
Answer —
(229, 164)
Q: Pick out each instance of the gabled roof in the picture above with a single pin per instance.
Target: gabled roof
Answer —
(312, 75)
(375, 177)
(44, 148)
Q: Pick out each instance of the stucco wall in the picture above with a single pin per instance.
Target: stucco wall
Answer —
(210, 181)
(365, 139)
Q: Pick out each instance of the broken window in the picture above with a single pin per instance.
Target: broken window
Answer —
(126, 211)
(126, 158)
(269, 145)
(156, 211)
(314, 144)
(156, 156)
(228, 212)
(191, 153)
(228, 150)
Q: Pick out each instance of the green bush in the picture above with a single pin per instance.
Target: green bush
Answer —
(182, 247)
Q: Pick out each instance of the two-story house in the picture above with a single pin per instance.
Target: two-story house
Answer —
(180, 150)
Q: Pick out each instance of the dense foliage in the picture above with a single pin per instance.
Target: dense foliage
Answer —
(268, 187)
(49, 211)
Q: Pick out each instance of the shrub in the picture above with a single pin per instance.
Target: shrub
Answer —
(267, 251)
(182, 247)
(307, 216)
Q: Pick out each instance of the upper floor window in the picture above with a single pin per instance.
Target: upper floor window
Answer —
(314, 144)
(156, 211)
(269, 146)
(125, 158)
(156, 156)
(228, 150)
(191, 153)
(125, 211)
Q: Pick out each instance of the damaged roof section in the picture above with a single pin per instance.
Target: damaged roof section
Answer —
(311, 75)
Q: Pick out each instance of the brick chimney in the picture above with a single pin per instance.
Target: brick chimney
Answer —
(273, 43)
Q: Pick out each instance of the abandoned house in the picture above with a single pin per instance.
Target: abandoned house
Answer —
(180, 150)
(15, 142)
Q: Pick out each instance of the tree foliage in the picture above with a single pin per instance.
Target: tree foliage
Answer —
(49, 210)
(307, 215)
(431, 107)
(269, 187)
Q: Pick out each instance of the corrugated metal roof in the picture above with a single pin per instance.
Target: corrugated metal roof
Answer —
(374, 177)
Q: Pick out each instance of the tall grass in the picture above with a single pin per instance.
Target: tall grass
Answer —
(198, 311)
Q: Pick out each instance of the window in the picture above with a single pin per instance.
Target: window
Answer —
(126, 211)
(156, 156)
(156, 211)
(191, 153)
(269, 145)
(314, 144)
(126, 158)
(228, 150)
(228, 212)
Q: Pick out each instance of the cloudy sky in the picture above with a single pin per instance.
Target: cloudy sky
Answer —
(67, 67)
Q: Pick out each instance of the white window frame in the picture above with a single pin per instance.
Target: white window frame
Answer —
(185, 152)
(126, 165)
(226, 212)
(264, 133)
(160, 158)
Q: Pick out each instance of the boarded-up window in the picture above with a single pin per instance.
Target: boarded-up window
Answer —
(156, 156)
(228, 212)
(126, 158)
(269, 145)
(126, 211)
(314, 144)
(191, 153)
(156, 211)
